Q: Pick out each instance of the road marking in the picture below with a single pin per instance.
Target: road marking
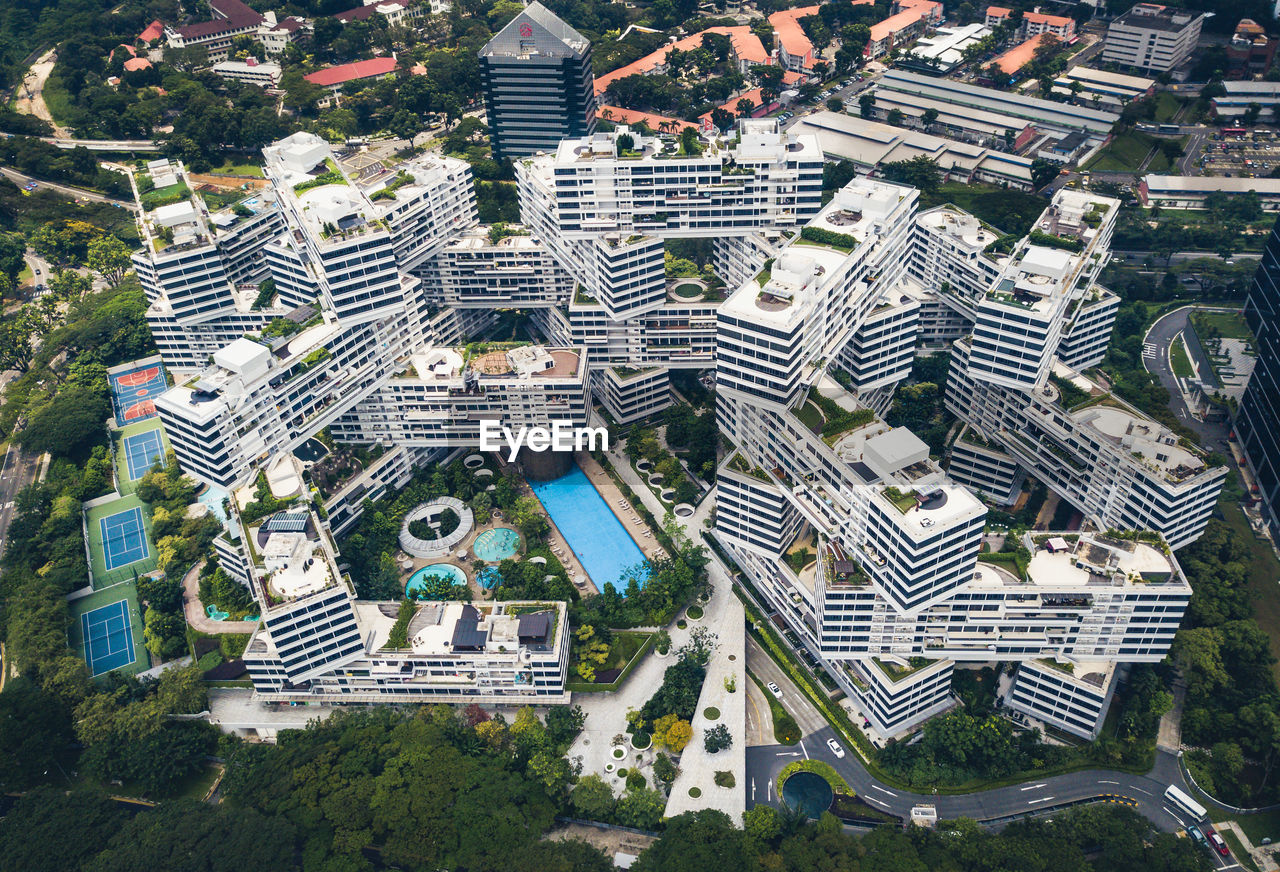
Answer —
(1108, 782)
(1032, 787)
(882, 790)
(753, 790)
(803, 748)
(876, 800)
(1041, 799)
(1140, 790)
(788, 754)
(769, 790)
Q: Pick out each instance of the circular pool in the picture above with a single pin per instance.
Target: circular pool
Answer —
(497, 544)
(808, 793)
(418, 581)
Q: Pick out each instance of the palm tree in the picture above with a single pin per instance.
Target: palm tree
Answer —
(607, 114)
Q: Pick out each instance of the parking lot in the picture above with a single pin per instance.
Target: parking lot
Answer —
(1240, 156)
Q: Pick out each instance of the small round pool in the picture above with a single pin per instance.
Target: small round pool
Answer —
(808, 793)
(418, 581)
(496, 544)
(489, 577)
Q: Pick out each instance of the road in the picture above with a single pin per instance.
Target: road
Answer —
(21, 179)
(765, 762)
(1155, 358)
(17, 470)
(1182, 256)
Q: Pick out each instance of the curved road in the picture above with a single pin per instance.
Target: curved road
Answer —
(22, 178)
(1155, 358)
(992, 806)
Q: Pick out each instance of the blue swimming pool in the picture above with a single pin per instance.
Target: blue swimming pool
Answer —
(418, 580)
(596, 536)
(496, 545)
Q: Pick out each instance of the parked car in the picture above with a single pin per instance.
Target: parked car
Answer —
(1197, 836)
(775, 690)
(836, 749)
(1218, 844)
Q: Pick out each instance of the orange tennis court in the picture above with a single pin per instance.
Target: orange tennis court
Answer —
(133, 392)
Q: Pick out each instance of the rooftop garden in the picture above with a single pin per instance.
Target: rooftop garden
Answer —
(388, 191)
(331, 176)
(501, 231)
(762, 277)
(1070, 395)
(166, 196)
(1008, 299)
(628, 372)
(1066, 243)
(828, 238)
(896, 672)
(903, 502)
(1068, 668)
(738, 463)
(839, 420)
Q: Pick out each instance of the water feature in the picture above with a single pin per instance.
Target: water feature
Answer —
(496, 545)
(808, 793)
(417, 581)
(593, 532)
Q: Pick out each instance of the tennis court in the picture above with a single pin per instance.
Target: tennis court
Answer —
(118, 530)
(108, 637)
(123, 538)
(133, 392)
(141, 450)
(104, 610)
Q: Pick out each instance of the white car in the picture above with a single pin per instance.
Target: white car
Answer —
(835, 748)
(775, 690)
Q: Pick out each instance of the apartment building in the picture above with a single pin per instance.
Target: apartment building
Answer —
(1152, 37)
(1034, 23)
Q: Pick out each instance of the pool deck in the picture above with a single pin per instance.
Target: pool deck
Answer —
(631, 521)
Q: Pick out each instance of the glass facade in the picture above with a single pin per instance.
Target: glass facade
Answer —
(1258, 418)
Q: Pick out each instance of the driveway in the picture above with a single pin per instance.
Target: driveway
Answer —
(765, 762)
(1155, 358)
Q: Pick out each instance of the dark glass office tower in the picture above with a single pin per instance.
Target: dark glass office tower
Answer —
(1258, 418)
(538, 84)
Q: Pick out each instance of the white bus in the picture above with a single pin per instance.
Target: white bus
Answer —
(1181, 801)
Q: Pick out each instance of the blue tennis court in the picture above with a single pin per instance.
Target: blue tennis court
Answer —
(141, 450)
(133, 392)
(108, 637)
(123, 539)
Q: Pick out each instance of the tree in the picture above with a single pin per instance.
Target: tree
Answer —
(641, 808)
(677, 736)
(717, 739)
(895, 117)
(929, 117)
(708, 839)
(919, 172)
(592, 798)
(109, 258)
(1043, 172)
(835, 104)
(866, 104)
(744, 108)
(70, 424)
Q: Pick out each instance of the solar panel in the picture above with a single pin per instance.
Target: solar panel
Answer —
(286, 522)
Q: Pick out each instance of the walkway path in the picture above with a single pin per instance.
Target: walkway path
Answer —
(194, 609)
(1155, 358)
(1264, 858)
(29, 96)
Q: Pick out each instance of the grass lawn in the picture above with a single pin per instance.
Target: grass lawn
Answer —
(1264, 570)
(1122, 154)
(1228, 325)
(810, 416)
(217, 200)
(1167, 106)
(230, 168)
(687, 290)
(1181, 362)
(1256, 826)
(162, 196)
(25, 277)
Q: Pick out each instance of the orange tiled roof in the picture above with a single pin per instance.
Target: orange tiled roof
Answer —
(630, 116)
(1020, 55)
(746, 45)
(912, 12)
(791, 36)
(154, 30)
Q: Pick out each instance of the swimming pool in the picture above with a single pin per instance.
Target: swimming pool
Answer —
(418, 580)
(496, 544)
(594, 533)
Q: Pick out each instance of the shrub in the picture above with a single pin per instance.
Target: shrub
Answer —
(695, 792)
(694, 613)
(829, 237)
(636, 780)
(717, 739)
(682, 624)
(711, 713)
(664, 769)
(725, 779)
(641, 740)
